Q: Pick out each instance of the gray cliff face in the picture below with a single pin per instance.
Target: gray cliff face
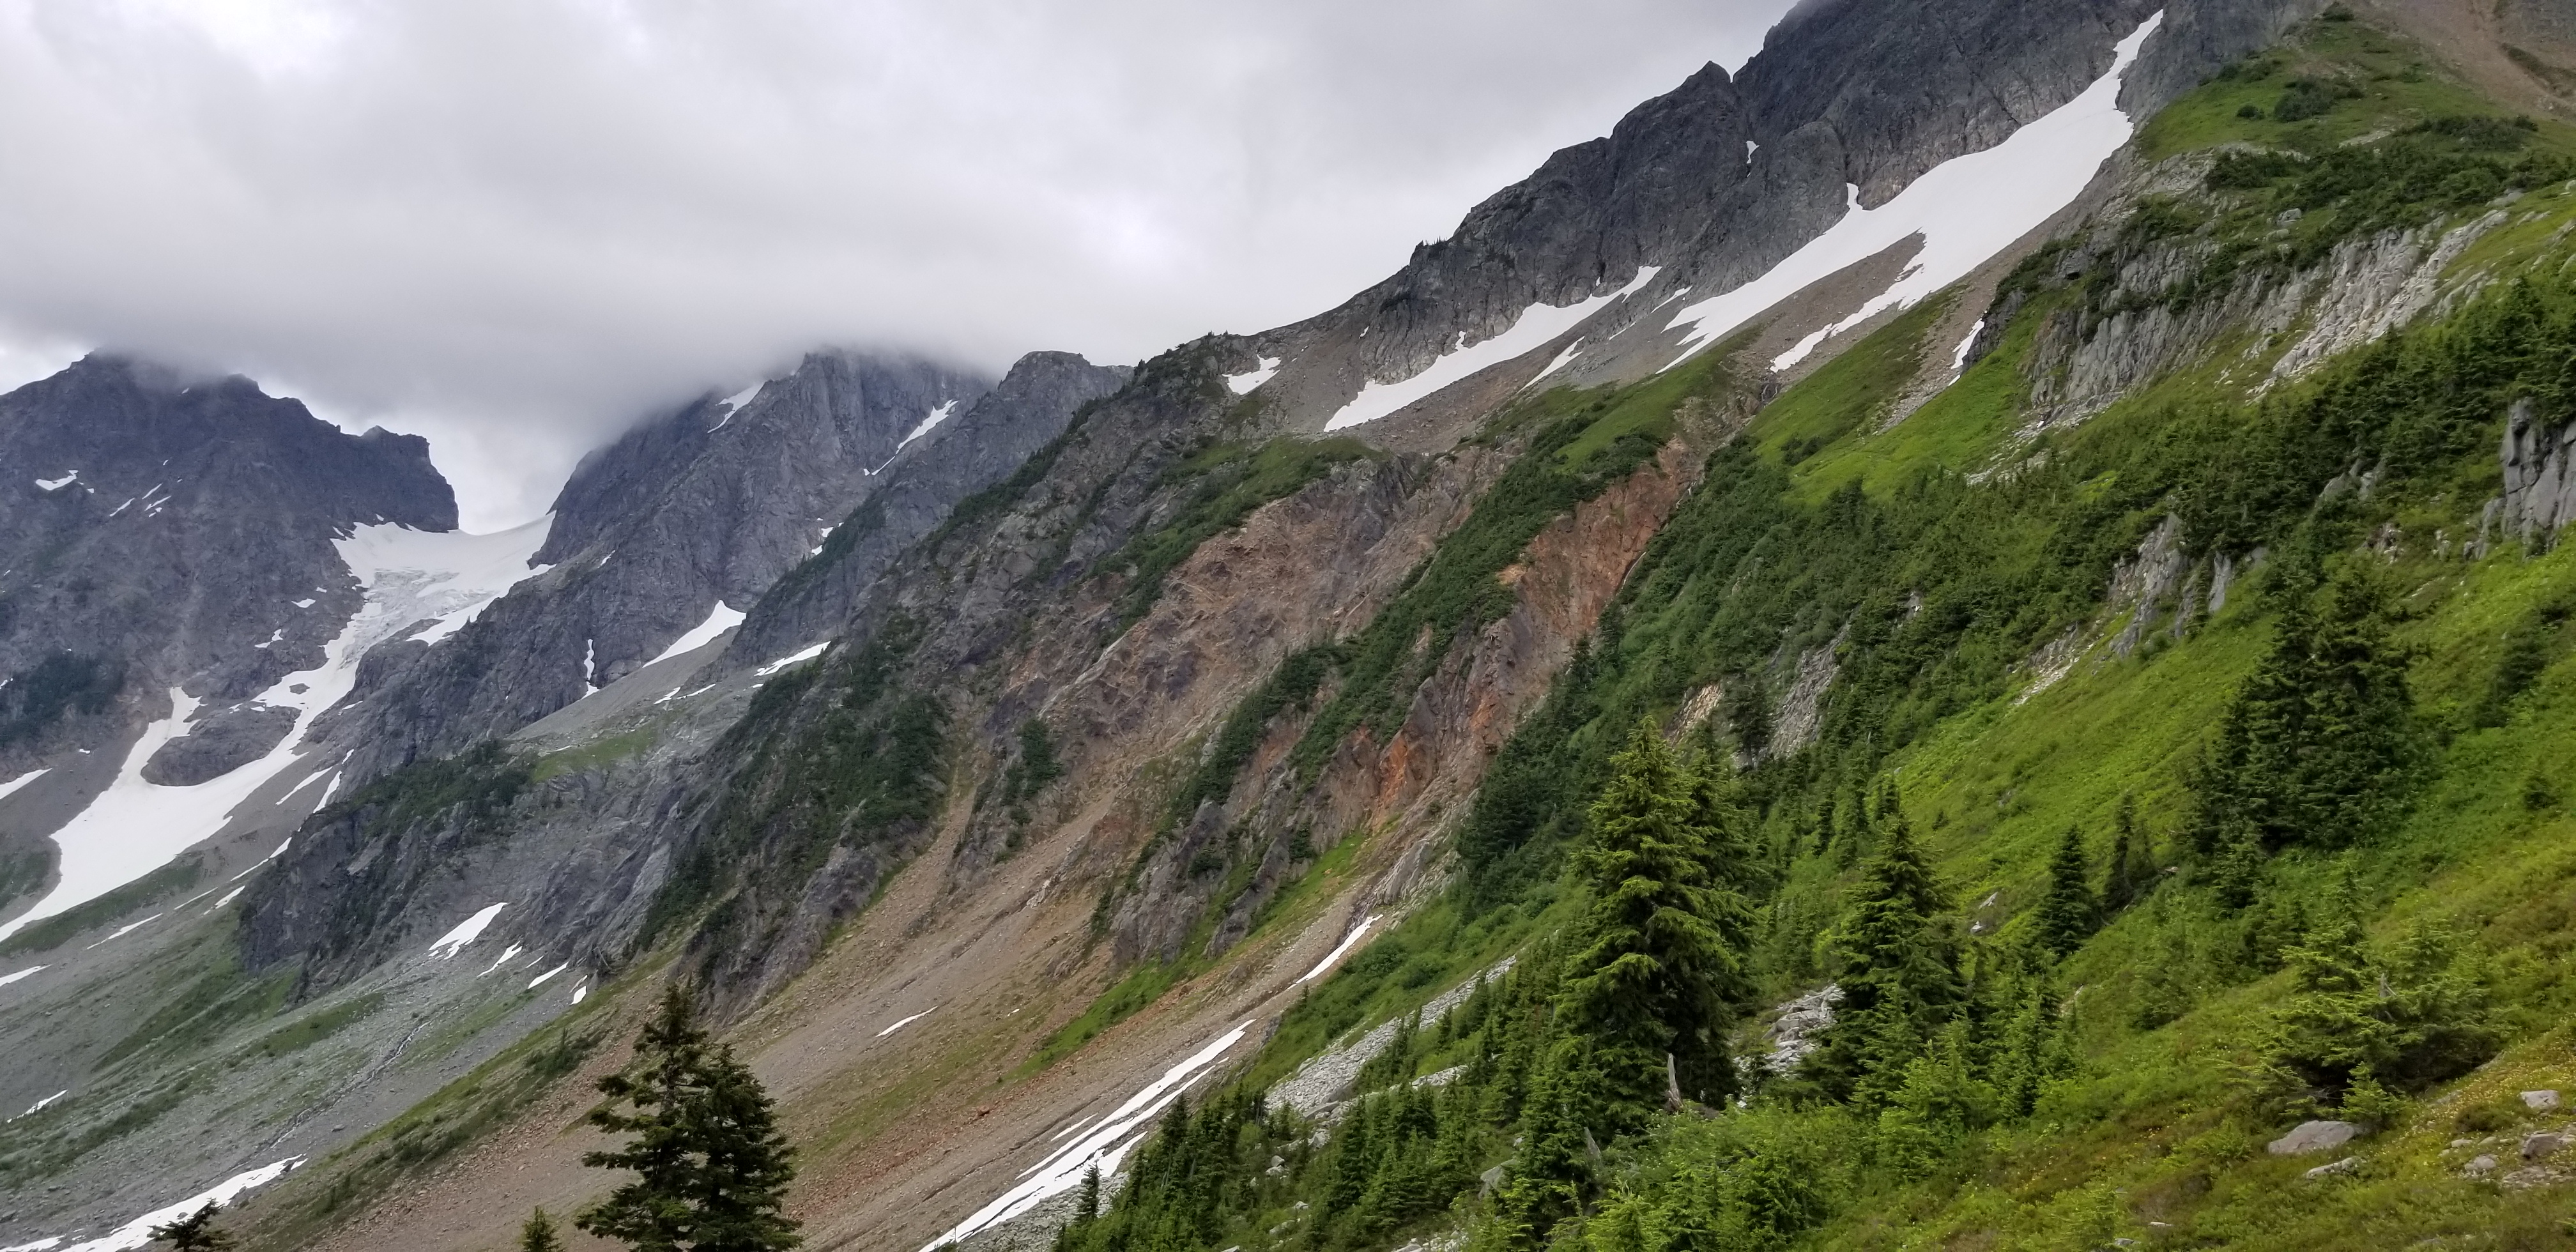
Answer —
(168, 531)
(707, 505)
(1717, 181)
(978, 447)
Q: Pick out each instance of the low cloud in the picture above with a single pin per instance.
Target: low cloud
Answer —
(516, 225)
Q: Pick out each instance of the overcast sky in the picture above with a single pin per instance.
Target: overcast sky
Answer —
(516, 225)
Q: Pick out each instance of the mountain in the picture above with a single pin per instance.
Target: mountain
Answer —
(2026, 532)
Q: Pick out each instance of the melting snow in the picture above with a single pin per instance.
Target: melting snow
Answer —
(1965, 210)
(1062, 1170)
(11, 787)
(281, 851)
(907, 1021)
(589, 665)
(506, 957)
(540, 980)
(1243, 383)
(135, 826)
(466, 932)
(799, 658)
(138, 1233)
(229, 897)
(57, 484)
(677, 694)
(719, 620)
(1959, 358)
(736, 403)
(1343, 949)
(6, 979)
(1538, 324)
(129, 928)
(580, 993)
(936, 416)
(43, 1104)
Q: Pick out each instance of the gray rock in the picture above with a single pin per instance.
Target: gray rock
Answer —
(2542, 1145)
(2480, 1167)
(2309, 1137)
(2348, 1165)
(2540, 1101)
(217, 745)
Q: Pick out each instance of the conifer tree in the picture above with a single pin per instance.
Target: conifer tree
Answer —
(2132, 872)
(2068, 913)
(1898, 965)
(194, 1233)
(538, 1235)
(2319, 744)
(712, 1168)
(1651, 985)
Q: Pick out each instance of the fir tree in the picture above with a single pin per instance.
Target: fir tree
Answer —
(1898, 964)
(194, 1233)
(2319, 744)
(2068, 914)
(711, 1166)
(2132, 872)
(1651, 985)
(538, 1235)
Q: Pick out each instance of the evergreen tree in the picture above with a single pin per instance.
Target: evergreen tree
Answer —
(745, 1164)
(538, 1235)
(2132, 872)
(1898, 963)
(194, 1233)
(1651, 986)
(2319, 744)
(711, 1166)
(2068, 913)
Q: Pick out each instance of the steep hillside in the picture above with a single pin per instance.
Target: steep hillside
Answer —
(2139, 424)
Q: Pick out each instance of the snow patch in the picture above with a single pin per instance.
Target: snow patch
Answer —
(1340, 951)
(136, 826)
(1106, 1145)
(10, 788)
(797, 659)
(736, 403)
(589, 666)
(506, 957)
(677, 694)
(466, 932)
(935, 417)
(580, 993)
(540, 980)
(138, 1233)
(6, 979)
(127, 929)
(1243, 383)
(1536, 325)
(43, 1104)
(907, 1021)
(57, 484)
(1964, 210)
(719, 620)
(229, 897)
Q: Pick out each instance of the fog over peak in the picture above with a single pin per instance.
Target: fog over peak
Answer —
(515, 225)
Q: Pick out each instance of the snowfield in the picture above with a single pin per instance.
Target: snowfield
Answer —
(135, 826)
(466, 932)
(719, 620)
(1536, 326)
(1107, 1146)
(1242, 384)
(1965, 210)
(797, 658)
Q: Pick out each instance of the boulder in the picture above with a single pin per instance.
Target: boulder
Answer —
(2479, 1168)
(2309, 1137)
(2545, 1143)
(2348, 1165)
(2540, 1101)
